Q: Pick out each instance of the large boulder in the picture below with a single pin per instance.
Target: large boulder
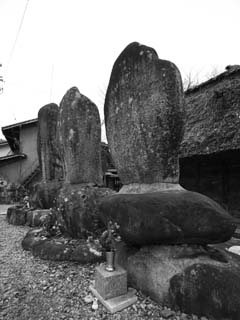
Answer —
(78, 209)
(209, 290)
(170, 217)
(63, 250)
(79, 131)
(17, 215)
(191, 278)
(43, 246)
(144, 116)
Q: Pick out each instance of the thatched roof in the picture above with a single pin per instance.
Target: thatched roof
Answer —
(213, 115)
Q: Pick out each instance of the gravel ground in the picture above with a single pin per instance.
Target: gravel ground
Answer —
(31, 288)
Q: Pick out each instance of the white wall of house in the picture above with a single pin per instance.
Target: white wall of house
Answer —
(4, 149)
(19, 170)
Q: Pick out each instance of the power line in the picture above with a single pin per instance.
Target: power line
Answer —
(17, 35)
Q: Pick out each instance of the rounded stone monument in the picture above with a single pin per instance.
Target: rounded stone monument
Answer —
(79, 132)
(144, 119)
(144, 112)
(49, 157)
(47, 144)
(80, 138)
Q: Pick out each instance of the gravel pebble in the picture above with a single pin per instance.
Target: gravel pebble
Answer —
(34, 289)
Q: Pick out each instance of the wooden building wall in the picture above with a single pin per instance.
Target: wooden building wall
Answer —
(215, 175)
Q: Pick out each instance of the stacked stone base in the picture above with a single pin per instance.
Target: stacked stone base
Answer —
(174, 263)
(193, 279)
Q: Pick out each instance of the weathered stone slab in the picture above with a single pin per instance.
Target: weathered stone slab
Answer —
(47, 143)
(110, 284)
(79, 131)
(170, 217)
(144, 116)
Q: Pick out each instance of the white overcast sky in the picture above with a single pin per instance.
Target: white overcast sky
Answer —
(65, 43)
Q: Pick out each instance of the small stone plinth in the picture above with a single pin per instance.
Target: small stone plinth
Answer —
(118, 303)
(111, 289)
(110, 284)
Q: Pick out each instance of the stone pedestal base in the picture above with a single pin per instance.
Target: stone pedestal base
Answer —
(111, 289)
(118, 303)
(110, 284)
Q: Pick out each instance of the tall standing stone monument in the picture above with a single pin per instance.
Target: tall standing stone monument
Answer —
(144, 118)
(80, 137)
(49, 156)
(79, 132)
(144, 112)
(48, 146)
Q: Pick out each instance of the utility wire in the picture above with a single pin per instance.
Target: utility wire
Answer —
(17, 36)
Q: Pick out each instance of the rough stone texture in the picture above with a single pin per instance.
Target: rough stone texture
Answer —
(207, 290)
(168, 217)
(17, 215)
(194, 279)
(144, 116)
(48, 146)
(79, 132)
(38, 218)
(110, 284)
(46, 193)
(78, 213)
(60, 249)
